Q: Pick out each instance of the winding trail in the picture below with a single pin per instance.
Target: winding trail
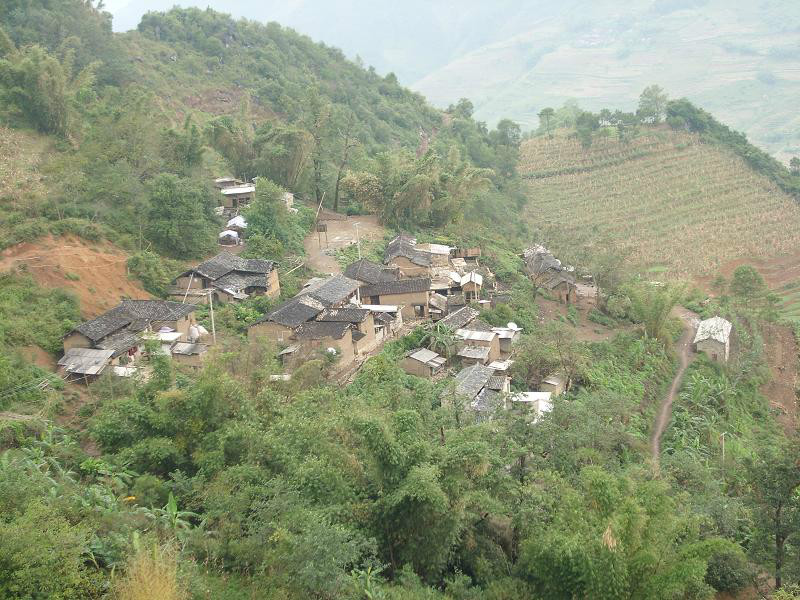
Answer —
(684, 348)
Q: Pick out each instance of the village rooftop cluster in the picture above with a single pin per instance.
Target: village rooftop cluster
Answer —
(348, 316)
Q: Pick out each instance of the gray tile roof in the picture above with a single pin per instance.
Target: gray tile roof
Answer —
(470, 381)
(225, 262)
(134, 315)
(400, 286)
(460, 318)
(496, 382)
(486, 401)
(405, 246)
(316, 330)
(121, 342)
(344, 315)
(369, 272)
(293, 312)
(238, 281)
(331, 291)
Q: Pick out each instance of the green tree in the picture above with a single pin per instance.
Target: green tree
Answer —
(774, 479)
(42, 88)
(179, 218)
(652, 104)
(747, 284)
(794, 165)
(546, 116)
(652, 305)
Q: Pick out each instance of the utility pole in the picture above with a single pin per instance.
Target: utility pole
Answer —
(358, 238)
(211, 307)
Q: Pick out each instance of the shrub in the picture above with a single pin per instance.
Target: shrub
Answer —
(152, 572)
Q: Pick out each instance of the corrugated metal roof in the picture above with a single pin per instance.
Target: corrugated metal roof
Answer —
(85, 361)
(427, 357)
(237, 190)
(474, 352)
(471, 335)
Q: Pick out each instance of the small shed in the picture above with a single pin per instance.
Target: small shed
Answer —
(538, 403)
(714, 338)
(237, 224)
(471, 284)
(555, 384)
(422, 362)
(238, 196)
(191, 354)
(84, 364)
(481, 339)
(229, 237)
(474, 355)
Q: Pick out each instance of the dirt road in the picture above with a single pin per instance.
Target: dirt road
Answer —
(320, 249)
(684, 348)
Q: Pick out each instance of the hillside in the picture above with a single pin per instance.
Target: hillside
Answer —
(604, 55)
(669, 203)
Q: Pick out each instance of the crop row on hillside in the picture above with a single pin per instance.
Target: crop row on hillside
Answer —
(683, 205)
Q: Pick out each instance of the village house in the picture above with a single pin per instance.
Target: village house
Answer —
(471, 285)
(475, 340)
(547, 272)
(279, 325)
(84, 364)
(361, 321)
(229, 278)
(439, 254)
(468, 255)
(237, 197)
(411, 294)
(237, 224)
(535, 403)
(473, 355)
(460, 318)
(437, 306)
(714, 338)
(508, 336)
(191, 354)
(479, 390)
(225, 182)
(401, 253)
(388, 319)
(334, 291)
(318, 294)
(369, 272)
(562, 287)
(322, 336)
(556, 384)
(422, 363)
(122, 328)
(229, 237)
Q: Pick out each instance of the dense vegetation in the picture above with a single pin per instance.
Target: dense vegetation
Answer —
(226, 483)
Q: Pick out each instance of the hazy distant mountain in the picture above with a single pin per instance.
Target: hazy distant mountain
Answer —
(740, 59)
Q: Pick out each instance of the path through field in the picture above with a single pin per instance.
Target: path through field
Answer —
(684, 349)
(320, 253)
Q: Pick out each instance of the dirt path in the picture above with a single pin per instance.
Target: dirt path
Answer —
(320, 253)
(684, 348)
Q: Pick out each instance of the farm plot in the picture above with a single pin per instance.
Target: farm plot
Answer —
(666, 200)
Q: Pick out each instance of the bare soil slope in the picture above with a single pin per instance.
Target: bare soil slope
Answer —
(95, 272)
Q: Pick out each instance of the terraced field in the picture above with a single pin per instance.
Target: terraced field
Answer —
(672, 204)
